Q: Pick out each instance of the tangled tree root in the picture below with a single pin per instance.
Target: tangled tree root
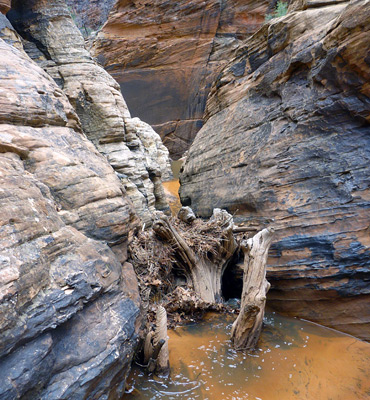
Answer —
(202, 261)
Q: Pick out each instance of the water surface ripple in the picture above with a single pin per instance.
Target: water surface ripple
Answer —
(295, 360)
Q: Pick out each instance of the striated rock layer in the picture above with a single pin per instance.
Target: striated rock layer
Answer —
(69, 310)
(165, 55)
(90, 15)
(132, 147)
(287, 138)
(69, 301)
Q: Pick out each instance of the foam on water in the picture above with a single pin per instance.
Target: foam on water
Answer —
(295, 360)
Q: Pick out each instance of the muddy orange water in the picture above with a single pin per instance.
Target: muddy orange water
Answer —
(295, 360)
(171, 188)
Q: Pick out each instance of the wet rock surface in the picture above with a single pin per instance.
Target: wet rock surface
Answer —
(286, 142)
(165, 55)
(69, 305)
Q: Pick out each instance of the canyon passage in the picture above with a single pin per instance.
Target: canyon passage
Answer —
(111, 261)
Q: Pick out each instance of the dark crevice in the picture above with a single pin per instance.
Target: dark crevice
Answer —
(232, 278)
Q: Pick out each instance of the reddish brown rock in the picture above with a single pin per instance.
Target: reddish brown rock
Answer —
(90, 15)
(5, 6)
(286, 142)
(165, 55)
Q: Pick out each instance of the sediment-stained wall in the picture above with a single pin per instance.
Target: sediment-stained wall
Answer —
(165, 55)
(286, 142)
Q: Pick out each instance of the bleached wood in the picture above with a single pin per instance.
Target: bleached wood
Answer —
(247, 327)
(202, 274)
(160, 334)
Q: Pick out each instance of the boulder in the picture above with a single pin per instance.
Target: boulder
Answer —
(286, 142)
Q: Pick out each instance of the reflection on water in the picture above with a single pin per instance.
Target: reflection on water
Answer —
(171, 189)
(295, 360)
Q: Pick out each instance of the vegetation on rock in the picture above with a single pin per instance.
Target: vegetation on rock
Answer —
(280, 10)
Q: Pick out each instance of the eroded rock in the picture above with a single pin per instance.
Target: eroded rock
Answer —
(287, 138)
(69, 311)
(90, 15)
(132, 147)
(165, 55)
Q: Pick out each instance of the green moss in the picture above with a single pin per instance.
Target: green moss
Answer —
(280, 10)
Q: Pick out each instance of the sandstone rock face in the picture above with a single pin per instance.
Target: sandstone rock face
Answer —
(287, 138)
(90, 15)
(53, 40)
(165, 55)
(69, 305)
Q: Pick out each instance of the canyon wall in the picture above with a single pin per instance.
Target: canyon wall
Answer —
(132, 147)
(61, 202)
(90, 15)
(78, 178)
(287, 143)
(165, 55)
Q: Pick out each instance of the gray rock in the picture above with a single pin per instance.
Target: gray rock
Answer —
(69, 309)
(287, 138)
(186, 214)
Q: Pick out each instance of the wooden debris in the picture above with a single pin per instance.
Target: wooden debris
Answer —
(202, 269)
(148, 347)
(156, 355)
(247, 327)
(160, 336)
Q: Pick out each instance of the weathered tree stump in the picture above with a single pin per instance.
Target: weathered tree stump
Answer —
(160, 336)
(247, 327)
(156, 355)
(203, 274)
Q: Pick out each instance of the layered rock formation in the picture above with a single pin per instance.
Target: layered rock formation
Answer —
(165, 55)
(287, 138)
(54, 42)
(68, 307)
(69, 301)
(90, 15)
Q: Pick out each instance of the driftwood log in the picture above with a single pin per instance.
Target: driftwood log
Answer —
(160, 335)
(202, 273)
(156, 355)
(247, 327)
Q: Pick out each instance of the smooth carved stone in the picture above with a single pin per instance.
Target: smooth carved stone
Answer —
(173, 50)
(287, 138)
(69, 311)
(97, 100)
